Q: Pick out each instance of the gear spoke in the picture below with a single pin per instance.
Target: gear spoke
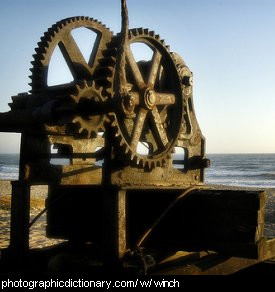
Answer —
(165, 98)
(163, 113)
(135, 69)
(138, 128)
(154, 69)
(97, 50)
(74, 58)
(161, 133)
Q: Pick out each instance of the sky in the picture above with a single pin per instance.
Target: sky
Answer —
(229, 45)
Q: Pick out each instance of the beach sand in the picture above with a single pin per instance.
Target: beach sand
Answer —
(38, 237)
(37, 233)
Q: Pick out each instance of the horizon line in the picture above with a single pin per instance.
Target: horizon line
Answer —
(209, 153)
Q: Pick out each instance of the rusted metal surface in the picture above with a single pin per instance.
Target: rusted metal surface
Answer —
(98, 122)
(138, 103)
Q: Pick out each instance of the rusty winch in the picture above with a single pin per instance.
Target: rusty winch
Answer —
(120, 124)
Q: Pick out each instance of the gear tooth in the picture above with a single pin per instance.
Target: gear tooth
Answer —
(109, 79)
(127, 150)
(72, 97)
(54, 30)
(40, 50)
(146, 31)
(163, 42)
(121, 142)
(78, 88)
(76, 120)
(167, 48)
(35, 61)
(109, 90)
(137, 160)
(140, 30)
(132, 156)
(100, 90)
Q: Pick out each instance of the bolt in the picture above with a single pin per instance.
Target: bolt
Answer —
(187, 81)
(151, 97)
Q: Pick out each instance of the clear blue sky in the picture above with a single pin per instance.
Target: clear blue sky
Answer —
(228, 44)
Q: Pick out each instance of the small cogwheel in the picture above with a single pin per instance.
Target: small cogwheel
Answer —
(88, 125)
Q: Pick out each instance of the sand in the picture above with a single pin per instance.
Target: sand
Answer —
(38, 237)
(37, 233)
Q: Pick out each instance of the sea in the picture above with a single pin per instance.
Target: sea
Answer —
(246, 170)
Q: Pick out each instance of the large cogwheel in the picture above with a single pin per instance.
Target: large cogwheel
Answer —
(60, 34)
(151, 113)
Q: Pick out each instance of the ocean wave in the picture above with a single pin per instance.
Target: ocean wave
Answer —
(9, 172)
(9, 176)
(242, 183)
(264, 175)
(4, 168)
